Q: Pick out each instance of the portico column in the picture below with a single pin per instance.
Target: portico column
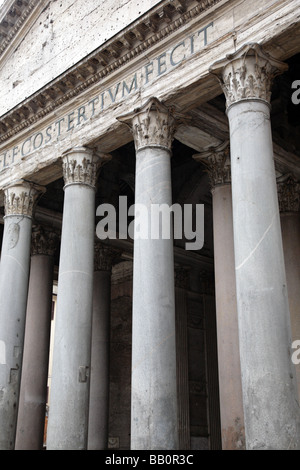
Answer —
(271, 412)
(289, 205)
(33, 392)
(154, 397)
(20, 200)
(69, 394)
(182, 372)
(99, 390)
(230, 385)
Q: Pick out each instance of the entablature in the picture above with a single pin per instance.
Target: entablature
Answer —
(117, 77)
(136, 39)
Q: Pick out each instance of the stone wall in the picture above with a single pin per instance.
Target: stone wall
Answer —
(120, 357)
(201, 434)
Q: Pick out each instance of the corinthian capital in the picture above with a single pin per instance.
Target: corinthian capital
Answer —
(104, 257)
(217, 160)
(20, 198)
(288, 189)
(152, 125)
(44, 241)
(81, 166)
(247, 74)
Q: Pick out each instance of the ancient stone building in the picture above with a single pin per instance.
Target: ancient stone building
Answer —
(189, 341)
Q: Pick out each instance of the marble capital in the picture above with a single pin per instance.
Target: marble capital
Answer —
(247, 74)
(21, 197)
(217, 161)
(288, 189)
(152, 125)
(44, 241)
(104, 257)
(81, 166)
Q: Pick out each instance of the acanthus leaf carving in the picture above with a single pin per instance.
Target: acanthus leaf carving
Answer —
(288, 189)
(104, 257)
(20, 198)
(217, 161)
(247, 74)
(152, 125)
(82, 165)
(44, 241)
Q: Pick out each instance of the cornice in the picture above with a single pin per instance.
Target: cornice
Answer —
(148, 30)
(13, 19)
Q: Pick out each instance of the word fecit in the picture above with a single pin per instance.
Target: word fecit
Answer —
(159, 221)
(296, 354)
(296, 94)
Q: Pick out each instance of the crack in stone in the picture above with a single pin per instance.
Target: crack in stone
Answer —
(257, 245)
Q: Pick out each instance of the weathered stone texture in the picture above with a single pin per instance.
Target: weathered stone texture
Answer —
(66, 32)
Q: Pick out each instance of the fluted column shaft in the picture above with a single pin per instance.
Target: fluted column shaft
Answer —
(69, 394)
(33, 392)
(20, 200)
(269, 392)
(230, 385)
(154, 397)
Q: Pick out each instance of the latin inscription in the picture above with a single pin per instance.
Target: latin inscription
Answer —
(153, 70)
